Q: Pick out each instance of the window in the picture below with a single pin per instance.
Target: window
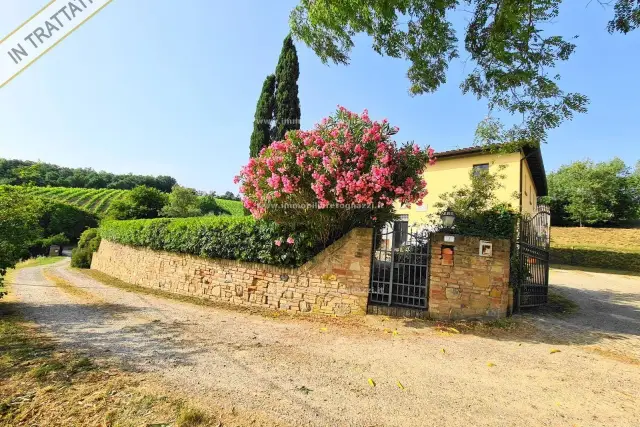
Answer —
(400, 230)
(478, 169)
(530, 196)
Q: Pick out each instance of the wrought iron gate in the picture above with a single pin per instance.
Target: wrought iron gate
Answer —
(533, 252)
(400, 270)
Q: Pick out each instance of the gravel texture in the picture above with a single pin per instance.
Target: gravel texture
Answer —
(285, 371)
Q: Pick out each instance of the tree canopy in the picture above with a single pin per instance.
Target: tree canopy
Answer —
(586, 193)
(261, 135)
(508, 42)
(21, 172)
(19, 226)
(287, 107)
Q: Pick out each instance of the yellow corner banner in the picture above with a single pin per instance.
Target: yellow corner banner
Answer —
(40, 33)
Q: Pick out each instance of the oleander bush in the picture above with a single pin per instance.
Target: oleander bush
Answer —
(344, 173)
(235, 238)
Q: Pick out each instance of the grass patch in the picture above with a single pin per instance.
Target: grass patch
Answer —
(40, 261)
(43, 385)
(190, 417)
(611, 239)
(69, 288)
(594, 270)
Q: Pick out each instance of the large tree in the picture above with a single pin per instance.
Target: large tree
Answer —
(261, 136)
(513, 56)
(287, 110)
(585, 193)
(18, 226)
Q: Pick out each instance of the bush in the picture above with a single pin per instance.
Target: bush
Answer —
(498, 222)
(234, 238)
(141, 202)
(88, 244)
(308, 178)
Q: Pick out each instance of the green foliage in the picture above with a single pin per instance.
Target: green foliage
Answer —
(585, 192)
(58, 239)
(509, 42)
(208, 205)
(140, 203)
(261, 135)
(59, 218)
(596, 258)
(18, 226)
(287, 105)
(19, 172)
(183, 202)
(231, 207)
(92, 200)
(233, 238)
(88, 244)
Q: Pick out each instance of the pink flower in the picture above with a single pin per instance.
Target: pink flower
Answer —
(290, 240)
(278, 242)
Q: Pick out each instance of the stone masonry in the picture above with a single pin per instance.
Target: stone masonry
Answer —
(335, 282)
(464, 284)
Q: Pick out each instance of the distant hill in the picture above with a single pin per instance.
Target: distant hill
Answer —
(98, 201)
(23, 172)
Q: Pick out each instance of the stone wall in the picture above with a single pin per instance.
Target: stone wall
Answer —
(335, 282)
(464, 284)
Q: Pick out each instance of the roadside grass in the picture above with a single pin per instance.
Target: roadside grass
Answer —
(41, 384)
(39, 261)
(33, 262)
(594, 270)
(69, 288)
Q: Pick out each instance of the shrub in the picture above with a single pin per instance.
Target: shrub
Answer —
(346, 160)
(183, 203)
(141, 202)
(88, 244)
(235, 238)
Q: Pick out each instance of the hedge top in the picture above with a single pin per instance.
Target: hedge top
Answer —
(234, 238)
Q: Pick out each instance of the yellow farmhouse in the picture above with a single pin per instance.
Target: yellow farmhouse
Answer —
(524, 177)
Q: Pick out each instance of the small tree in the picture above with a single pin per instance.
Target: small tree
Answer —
(261, 135)
(183, 202)
(345, 172)
(140, 203)
(287, 107)
(207, 204)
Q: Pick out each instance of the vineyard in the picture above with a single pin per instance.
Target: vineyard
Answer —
(98, 201)
(89, 199)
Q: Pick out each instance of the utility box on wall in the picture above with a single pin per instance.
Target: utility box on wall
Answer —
(469, 278)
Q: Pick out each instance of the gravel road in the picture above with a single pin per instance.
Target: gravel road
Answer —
(284, 371)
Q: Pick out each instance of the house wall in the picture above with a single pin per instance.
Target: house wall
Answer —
(335, 282)
(448, 173)
(528, 193)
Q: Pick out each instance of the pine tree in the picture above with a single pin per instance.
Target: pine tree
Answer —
(261, 136)
(287, 111)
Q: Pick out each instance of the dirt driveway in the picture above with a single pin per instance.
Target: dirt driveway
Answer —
(285, 371)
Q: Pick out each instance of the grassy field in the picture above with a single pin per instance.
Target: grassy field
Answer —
(614, 249)
(611, 239)
(98, 201)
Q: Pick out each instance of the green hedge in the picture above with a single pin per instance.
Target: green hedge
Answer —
(624, 261)
(236, 238)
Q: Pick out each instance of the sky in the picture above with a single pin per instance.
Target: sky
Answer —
(168, 87)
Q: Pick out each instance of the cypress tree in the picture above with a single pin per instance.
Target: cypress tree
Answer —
(287, 111)
(261, 136)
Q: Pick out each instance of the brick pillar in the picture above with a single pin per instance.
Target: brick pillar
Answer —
(464, 283)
